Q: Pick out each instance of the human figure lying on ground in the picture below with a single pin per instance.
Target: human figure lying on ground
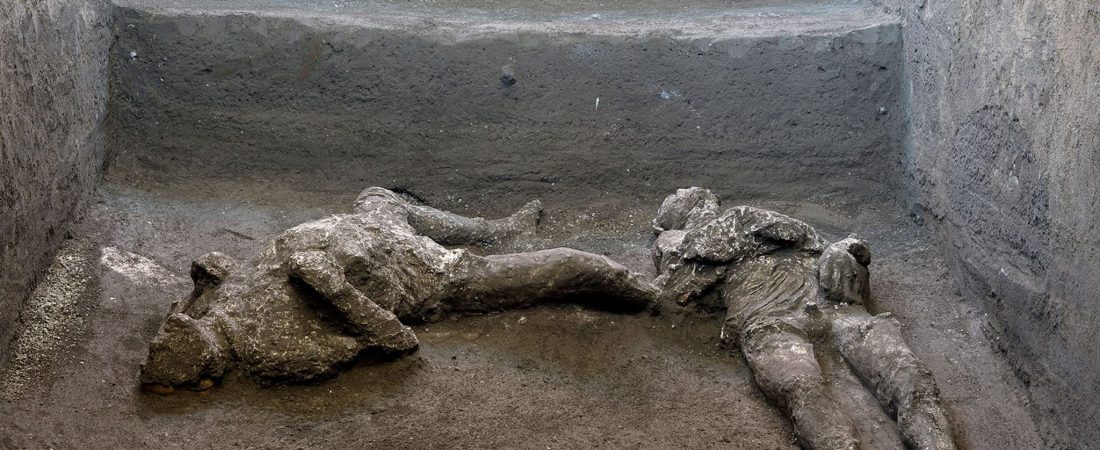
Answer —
(784, 288)
(327, 291)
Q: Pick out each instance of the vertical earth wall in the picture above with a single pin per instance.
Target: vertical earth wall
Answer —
(53, 93)
(336, 106)
(1004, 159)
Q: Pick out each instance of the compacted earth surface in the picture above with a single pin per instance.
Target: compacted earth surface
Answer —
(550, 377)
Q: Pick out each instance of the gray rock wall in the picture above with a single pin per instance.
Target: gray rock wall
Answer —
(53, 92)
(1004, 160)
(331, 106)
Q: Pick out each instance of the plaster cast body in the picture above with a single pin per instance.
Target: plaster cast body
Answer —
(786, 289)
(325, 292)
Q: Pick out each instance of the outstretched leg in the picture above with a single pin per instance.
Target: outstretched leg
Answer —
(493, 283)
(449, 228)
(875, 349)
(783, 363)
(452, 229)
(381, 327)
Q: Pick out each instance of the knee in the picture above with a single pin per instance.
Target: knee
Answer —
(789, 386)
(375, 194)
(210, 270)
(920, 385)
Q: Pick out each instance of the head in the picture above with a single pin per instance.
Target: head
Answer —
(842, 271)
(686, 209)
(185, 353)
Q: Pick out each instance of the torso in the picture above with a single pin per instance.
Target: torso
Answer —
(381, 254)
(758, 281)
(769, 287)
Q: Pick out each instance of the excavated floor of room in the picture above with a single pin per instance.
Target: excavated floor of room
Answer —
(549, 377)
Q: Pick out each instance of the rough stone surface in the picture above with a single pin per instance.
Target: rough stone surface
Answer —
(53, 93)
(415, 102)
(1004, 160)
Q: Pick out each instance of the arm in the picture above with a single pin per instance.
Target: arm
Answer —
(744, 232)
(773, 229)
(381, 327)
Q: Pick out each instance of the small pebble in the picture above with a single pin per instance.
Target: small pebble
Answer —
(508, 75)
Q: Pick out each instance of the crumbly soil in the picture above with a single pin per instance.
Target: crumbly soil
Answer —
(553, 377)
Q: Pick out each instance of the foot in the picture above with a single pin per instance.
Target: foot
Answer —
(526, 220)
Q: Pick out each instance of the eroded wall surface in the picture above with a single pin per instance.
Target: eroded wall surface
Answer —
(1005, 162)
(539, 113)
(53, 92)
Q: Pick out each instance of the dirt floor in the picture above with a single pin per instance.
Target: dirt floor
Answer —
(559, 377)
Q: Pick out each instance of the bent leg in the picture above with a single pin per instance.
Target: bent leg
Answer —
(381, 327)
(783, 363)
(452, 229)
(875, 349)
(449, 228)
(497, 282)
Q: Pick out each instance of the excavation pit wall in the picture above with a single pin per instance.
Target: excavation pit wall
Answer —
(1003, 153)
(53, 101)
(570, 110)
